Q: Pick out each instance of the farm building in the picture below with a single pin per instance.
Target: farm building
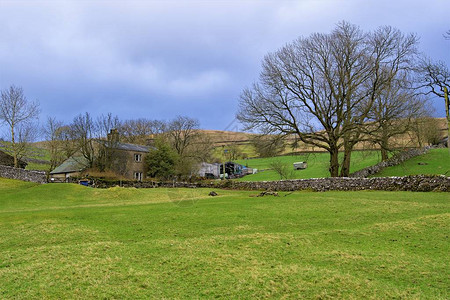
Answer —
(73, 166)
(209, 170)
(126, 160)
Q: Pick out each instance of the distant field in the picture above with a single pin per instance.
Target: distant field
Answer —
(38, 152)
(435, 162)
(61, 241)
(38, 166)
(318, 164)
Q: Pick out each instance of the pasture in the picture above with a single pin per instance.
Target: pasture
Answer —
(435, 162)
(67, 241)
(318, 164)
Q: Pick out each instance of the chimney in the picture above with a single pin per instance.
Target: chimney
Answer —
(113, 136)
(150, 141)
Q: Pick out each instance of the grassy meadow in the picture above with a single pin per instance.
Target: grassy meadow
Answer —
(318, 164)
(67, 241)
(435, 162)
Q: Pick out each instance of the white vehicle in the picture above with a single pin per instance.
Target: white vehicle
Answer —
(301, 165)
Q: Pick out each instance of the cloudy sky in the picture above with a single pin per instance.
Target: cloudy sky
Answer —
(159, 59)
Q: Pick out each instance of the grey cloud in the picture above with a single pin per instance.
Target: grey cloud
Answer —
(163, 58)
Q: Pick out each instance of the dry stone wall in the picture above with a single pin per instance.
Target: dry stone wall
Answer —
(418, 183)
(21, 174)
(393, 161)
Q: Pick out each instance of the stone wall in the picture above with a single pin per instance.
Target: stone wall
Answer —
(393, 161)
(21, 174)
(418, 183)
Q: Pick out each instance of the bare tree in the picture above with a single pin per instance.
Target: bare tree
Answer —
(182, 132)
(105, 123)
(233, 152)
(69, 143)
(84, 132)
(426, 130)
(434, 78)
(394, 113)
(191, 145)
(268, 145)
(284, 170)
(139, 130)
(322, 88)
(53, 131)
(18, 113)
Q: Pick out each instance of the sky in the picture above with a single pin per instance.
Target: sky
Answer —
(160, 59)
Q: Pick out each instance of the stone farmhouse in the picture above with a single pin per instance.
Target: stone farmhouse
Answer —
(126, 160)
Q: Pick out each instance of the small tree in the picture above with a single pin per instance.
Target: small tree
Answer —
(161, 161)
(18, 113)
(191, 145)
(53, 132)
(285, 171)
(233, 152)
(426, 130)
(268, 146)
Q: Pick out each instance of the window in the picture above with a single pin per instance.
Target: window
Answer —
(138, 176)
(138, 157)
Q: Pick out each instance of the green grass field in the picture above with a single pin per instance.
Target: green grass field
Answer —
(437, 162)
(318, 164)
(67, 241)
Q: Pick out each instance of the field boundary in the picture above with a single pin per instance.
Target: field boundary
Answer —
(416, 183)
(393, 161)
(22, 174)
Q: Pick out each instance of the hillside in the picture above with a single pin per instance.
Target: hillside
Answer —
(407, 140)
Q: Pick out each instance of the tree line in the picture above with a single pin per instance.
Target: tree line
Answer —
(181, 137)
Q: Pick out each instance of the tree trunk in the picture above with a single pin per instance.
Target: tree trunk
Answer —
(384, 143)
(345, 167)
(334, 162)
(384, 153)
(13, 144)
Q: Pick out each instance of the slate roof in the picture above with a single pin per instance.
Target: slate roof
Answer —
(132, 147)
(72, 164)
(128, 147)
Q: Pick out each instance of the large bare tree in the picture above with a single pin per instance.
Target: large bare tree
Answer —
(18, 113)
(321, 88)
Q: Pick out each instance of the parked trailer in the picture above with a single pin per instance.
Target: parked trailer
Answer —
(300, 165)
